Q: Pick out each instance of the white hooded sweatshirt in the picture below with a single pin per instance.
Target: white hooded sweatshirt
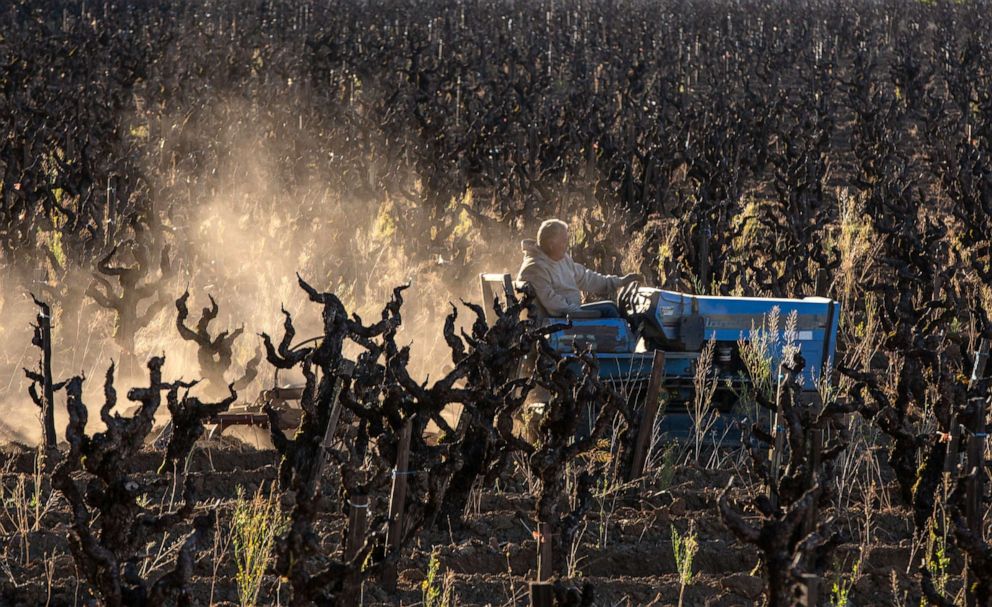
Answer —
(559, 284)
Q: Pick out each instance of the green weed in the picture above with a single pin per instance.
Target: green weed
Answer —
(255, 524)
(685, 548)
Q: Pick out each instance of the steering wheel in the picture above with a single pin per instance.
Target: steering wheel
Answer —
(625, 299)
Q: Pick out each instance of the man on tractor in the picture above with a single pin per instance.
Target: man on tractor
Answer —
(559, 282)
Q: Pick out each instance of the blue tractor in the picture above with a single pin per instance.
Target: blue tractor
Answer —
(670, 328)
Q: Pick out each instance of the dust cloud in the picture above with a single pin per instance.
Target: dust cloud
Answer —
(241, 219)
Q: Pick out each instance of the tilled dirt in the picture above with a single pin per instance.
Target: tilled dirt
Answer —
(625, 549)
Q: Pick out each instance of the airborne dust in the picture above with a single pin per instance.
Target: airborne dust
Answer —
(239, 228)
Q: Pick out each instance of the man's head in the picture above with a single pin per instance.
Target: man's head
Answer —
(552, 237)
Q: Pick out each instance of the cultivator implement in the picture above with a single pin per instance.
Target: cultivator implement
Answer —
(283, 399)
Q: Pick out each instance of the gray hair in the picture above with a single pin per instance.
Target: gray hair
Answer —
(549, 229)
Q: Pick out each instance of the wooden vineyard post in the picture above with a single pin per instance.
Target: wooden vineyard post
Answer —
(976, 469)
(822, 284)
(397, 502)
(975, 487)
(42, 339)
(778, 432)
(815, 449)
(545, 556)
(646, 429)
(542, 594)
(953, 444)
(705, 234)
(332, 426)
(810, 590)
(976, 450)
(973, 512)
(358, 515)
(981, 360)
(357, 525)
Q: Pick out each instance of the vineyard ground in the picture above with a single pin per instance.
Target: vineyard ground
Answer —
(625, 551)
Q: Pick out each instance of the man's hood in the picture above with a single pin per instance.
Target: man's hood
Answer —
(530, 248)
(534, 253)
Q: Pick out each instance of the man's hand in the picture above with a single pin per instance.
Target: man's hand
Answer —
(630, 278)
